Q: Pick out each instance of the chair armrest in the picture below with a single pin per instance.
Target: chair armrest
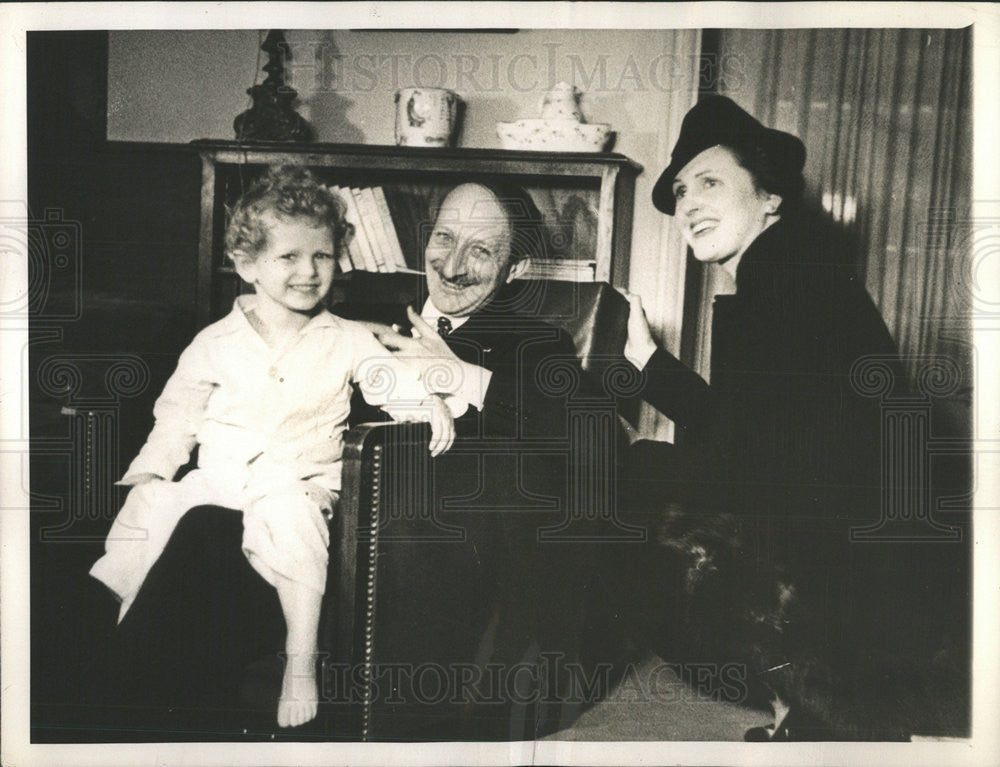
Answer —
(347, 580)
(436, 565)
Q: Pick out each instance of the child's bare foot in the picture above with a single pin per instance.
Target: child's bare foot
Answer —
(299, 699)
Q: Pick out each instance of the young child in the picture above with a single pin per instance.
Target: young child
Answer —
(265, 393)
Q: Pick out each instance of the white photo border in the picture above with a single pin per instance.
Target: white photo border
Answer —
(16, 19)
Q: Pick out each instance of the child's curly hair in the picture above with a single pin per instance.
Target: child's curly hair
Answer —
(286, 191)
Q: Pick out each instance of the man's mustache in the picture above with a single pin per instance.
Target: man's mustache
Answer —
(458, 282)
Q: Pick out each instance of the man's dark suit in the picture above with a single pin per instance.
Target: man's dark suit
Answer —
(504, 484)
(520, 351)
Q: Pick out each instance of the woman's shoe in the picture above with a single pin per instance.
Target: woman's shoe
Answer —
(791, 725)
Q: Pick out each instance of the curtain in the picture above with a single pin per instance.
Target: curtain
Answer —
(885, 115)
(658, 265)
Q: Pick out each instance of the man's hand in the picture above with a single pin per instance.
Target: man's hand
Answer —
(137, 479)
(640, 344)
(375, 328)
(442, 426)
(437, 365)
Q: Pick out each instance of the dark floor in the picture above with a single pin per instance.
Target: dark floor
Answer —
(653, 703)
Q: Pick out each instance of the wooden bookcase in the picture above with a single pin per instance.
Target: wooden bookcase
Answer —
(586, 199)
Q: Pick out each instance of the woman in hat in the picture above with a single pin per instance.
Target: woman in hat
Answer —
(781, 461)
(784, 422)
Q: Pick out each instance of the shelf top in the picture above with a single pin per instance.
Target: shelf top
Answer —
(421, 155)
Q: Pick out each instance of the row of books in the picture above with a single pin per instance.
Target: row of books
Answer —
(375, 246)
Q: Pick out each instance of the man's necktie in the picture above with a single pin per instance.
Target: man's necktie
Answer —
(444, 326)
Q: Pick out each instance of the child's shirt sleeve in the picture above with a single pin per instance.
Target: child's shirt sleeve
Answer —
(392, 385)
(179, 413)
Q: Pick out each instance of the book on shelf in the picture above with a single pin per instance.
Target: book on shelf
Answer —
(368, 208)
(353, 254)
(345, 261)
(362, 253)
(395, 250)
(411, 206)
(368, 224)
(350, 253)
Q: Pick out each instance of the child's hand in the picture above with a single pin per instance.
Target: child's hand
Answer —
(138, 479)
(442, 426)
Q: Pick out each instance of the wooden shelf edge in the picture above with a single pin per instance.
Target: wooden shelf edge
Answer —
(429, 154)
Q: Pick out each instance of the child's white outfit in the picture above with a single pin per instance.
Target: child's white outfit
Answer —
(268, 424)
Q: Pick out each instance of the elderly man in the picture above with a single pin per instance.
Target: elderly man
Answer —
(470, 335)
(477, 334)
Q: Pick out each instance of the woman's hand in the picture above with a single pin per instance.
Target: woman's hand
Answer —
(640, 344)
(442, 426)
(436, 364)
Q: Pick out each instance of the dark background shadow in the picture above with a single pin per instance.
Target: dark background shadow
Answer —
(112, 252)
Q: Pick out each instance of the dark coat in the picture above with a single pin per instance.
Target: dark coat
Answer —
(782, 460)
(752, 557)
(783, 433)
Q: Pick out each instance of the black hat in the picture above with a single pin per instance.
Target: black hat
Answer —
(718, 120)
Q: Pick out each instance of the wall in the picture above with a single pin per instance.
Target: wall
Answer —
(179, 86)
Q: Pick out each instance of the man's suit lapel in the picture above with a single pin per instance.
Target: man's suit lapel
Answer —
(471, 340)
